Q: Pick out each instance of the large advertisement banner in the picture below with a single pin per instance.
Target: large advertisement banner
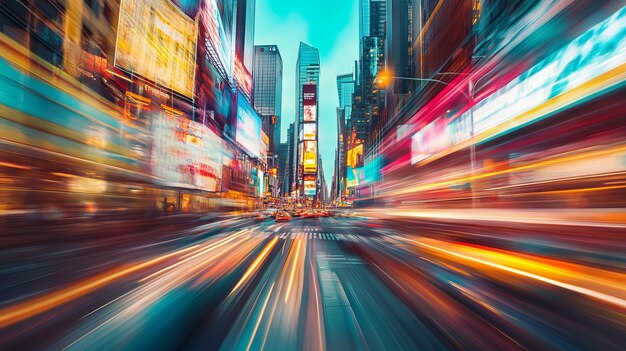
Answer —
(309, 186)
(216, 16)
(309, 102)
(364, 175)
(310, 131)
(354, 158)
(248, 133)
(157, 40)
(310, 157)
(214, 94)
(185, 153)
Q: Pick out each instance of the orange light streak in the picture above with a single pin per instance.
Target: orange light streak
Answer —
(253, 267)
(294, 266)
(29, 308)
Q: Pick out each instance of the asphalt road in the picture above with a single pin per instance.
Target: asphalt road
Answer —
(327, 283)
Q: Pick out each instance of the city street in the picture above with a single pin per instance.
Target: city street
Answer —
(312, 175)
(317, 283)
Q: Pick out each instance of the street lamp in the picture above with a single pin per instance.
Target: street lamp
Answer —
(384, 78)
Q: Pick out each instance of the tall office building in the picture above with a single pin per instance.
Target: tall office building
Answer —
(268, 86)
(345, 89)
(267, 100)
(305, 135)
(322, 189)
(398, 53)
(345, 92)
(368, 99)
(283, 167)
(243, 60)
(289, 174)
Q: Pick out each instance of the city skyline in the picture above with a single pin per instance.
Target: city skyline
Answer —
(335, 33)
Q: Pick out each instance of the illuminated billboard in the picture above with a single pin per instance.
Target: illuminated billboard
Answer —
(248, 133)
(309, 113)
(157, 40)
(216, 18)
(354, 158)
(352, 177)
(310, 131)
(598, 51)
(309, 102)
(309, 186)
(185, 153)
(310, 157)
(214, 94)
(260, 191)
(242, 77)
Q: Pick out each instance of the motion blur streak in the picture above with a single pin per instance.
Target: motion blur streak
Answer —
(149, 199)
(294, 267)
(255, 265)
(562, 274)
(29, 308)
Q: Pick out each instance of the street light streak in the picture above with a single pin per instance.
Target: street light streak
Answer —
(258, 321)
(293, 269)
(255, 264)
(29, 308)
(585, 291)
(195, 254)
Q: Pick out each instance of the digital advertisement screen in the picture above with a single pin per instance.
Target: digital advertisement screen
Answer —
(157, 40)
(310, 157)
(309, 113)
(309, 102)
(243, 77)
(214, 94)
(185, 153)
(310, 131)
(364, 175)
(248, 133)
(309, 186)
(261, 183)
(352, 178)
(354, 158)
(216, 18)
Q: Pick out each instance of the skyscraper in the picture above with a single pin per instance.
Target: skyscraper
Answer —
(283, 167)
(305, 136)
(267, 99)
(268, 86)
(368, 98)
(289, 174)
(398, 52)
(345, 91)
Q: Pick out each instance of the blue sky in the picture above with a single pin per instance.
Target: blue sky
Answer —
(332, 27)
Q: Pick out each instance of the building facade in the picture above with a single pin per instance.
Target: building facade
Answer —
(267, 100)
(268, 86)
(306, 132)
(345, 92)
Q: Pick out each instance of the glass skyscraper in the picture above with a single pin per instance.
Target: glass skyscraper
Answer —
(268, 85)
(345, 91)
(306, 151)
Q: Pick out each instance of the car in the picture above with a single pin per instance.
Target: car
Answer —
(309, 214)
(271, 212)
(283, 216)
(260, 216)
